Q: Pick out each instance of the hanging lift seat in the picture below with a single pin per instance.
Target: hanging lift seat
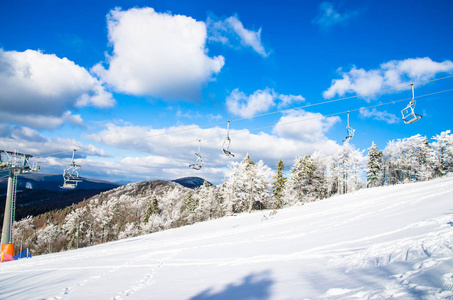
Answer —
(226, 146)
(409, 116)
(71, 175)
(350, 133)
(199, 161)
(227, 142)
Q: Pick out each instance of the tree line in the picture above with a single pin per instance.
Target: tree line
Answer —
(151, 206)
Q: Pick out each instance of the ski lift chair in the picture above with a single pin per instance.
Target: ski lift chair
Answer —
(227, 142)
(409, 115)
(199, 160)
(71, 175)
(350, 132)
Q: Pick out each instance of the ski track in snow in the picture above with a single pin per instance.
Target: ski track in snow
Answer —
(410, 241)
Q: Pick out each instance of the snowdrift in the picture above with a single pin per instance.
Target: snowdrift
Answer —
(380, 243)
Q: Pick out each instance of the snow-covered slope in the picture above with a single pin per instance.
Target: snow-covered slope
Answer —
(388, 242)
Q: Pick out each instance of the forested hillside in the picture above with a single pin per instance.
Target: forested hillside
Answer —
(151, 206)
(38, 193)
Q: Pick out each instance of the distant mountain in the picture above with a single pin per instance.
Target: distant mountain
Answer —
(52, 182)
(191, 182)
(38, 193)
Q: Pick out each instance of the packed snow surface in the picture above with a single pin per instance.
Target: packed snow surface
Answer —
(380, 243)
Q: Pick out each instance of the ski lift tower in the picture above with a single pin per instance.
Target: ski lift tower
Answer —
(16, 163)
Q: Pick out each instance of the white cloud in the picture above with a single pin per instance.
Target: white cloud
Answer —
(391, 74)
(157, 54)
(247, 37)
(417, 68)
(304, 126)
(329, 16)
(35, 86)
(231, 30)
(246, 106)
(287, 100)
(167, 152)
(379, 115)
(31, 141)
(260, 101)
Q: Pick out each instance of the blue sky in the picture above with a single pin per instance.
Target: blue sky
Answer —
(133, 85)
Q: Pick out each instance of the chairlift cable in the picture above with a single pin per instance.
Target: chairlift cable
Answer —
(340, 99)
(296, 121)
(270, 113)
(274, 112)
(280, 124)
(56, 153)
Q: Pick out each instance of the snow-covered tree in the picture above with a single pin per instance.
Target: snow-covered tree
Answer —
(340, 170)
(319, 175)
(374, 166)
(409, 159)
(279, 185)
(47, 236)
(208, 204)
(345, 170)
(23, 231)
(171, 205)
(424, 161)
(392, 162)
(153, 208)
(102, 213)
(443, 145)
(300, 186)
(131, 229)
(75, 225)
(248, 186)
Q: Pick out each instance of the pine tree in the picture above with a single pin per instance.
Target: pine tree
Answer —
(293, 186)
(308, 187)
(300, 186)
(374, 166)
(153, 208)
(279, 185)
(319, 175)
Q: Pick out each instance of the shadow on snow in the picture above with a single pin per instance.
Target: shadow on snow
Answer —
(253, 286)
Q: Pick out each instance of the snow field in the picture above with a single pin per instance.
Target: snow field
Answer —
(380, 243)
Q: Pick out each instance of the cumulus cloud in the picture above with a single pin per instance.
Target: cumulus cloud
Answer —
(167, 152)
(157, 54)
(42, 121)
(245, 106)
(260, 101)
(36, 144)
(328, 16)
(379, 115)
(305, 126)
(231, 31)
(35, 86)
(391, 74)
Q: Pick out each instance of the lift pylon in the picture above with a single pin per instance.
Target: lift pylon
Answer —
(15, 163)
